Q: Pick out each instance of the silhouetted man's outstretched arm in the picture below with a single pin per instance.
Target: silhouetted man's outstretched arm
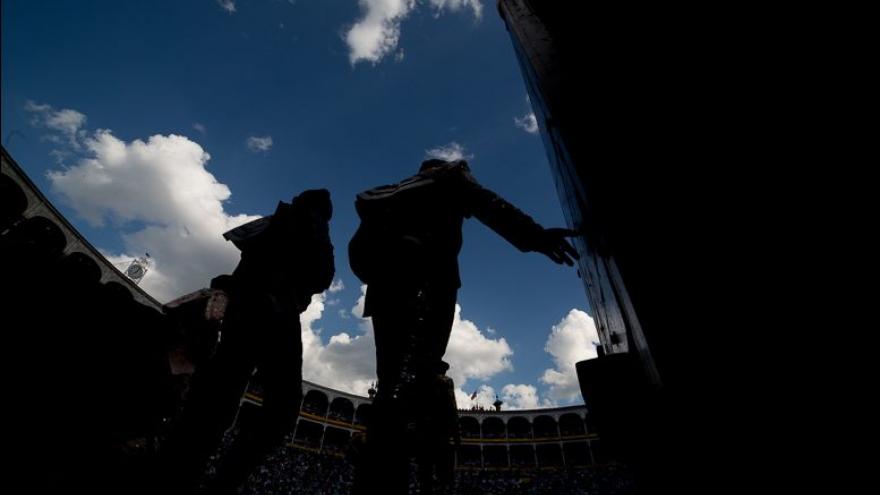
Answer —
(511, 223)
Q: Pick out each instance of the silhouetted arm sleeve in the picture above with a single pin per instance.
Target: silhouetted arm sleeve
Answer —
(291, 263)
(319, 261)
(507, 220)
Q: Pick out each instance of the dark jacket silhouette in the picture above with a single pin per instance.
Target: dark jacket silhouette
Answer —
(406, 251)
(285, 259)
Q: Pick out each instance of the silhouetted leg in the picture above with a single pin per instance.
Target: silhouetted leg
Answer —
(211, 405)
(399, 315)
(445, 465)
(436, 419)
(385, 463)
(279, 365)
(425, 463)
(439, 314)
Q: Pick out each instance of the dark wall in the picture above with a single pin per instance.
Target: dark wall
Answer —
(91, 383)
(635, 105)
(632, 112)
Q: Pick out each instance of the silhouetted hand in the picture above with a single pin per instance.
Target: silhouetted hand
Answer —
(555, 247)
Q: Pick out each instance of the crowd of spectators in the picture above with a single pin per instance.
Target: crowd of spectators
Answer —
(598, 480)
(294, 470)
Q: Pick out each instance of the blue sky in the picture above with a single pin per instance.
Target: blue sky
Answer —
(156, 126)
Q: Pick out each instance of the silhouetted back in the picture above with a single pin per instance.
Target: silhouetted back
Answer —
(413, 228)
(288, 253)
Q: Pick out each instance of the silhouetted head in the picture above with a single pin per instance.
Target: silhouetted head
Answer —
(314, 200)
(436, 162)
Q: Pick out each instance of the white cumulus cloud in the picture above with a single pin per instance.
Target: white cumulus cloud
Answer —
(448, 152)
(67, 122)
(523, 396)
(513, 397)
(348, 361)
(336, 286)
(571, 340)
(471, 354)
(227, 5)
(161, 191)
(259, 144)
(377, 33)
(476, 6)
(527, 122)
(485, 397)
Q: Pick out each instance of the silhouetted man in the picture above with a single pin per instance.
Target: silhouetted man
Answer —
(406, 251)
(285, 259)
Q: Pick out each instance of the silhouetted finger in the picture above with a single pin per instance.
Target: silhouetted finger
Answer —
(565, 258)
(565, 248)
(570, 250)
(558, 255)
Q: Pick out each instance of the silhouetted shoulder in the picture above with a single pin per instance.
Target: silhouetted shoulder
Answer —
(460, 166)
(456, 171)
